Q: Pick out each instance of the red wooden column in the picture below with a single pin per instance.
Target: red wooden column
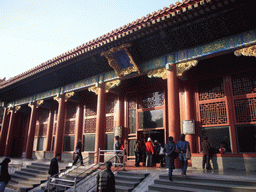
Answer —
(189, 114)
(31, 130)
(173, 102)
(173, 105)
(101, 120)
(4, 132)
(120, 116)
(11, 132)
(58, 145)
(49, 131)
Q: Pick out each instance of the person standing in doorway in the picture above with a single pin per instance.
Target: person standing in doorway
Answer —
(54, 166)
(149, 152)
(78, 152)
(206, 147)
(106, 179)
(182, 146)
(169, 149)
(4, 174)
(138, 152)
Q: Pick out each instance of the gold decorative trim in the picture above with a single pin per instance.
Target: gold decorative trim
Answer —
(111, 84)
(185, 66)
(94, 89)
(36, 103)
(248, 51)
(57, 98)
(162, 73)
(113, 63)
(68, 95)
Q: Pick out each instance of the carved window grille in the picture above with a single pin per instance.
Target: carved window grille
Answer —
(90, 125)
(245, 110)
(110, 124)
(244, 83)
(110, 105)
(91, 109)
(71, 110)
(132, 102)
(70, 127)
(213, 113)
(42, 130)
(152, 99)
(211, 89)
(43, 115)
(37, 130)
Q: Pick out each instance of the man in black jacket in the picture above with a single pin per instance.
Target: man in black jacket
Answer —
(4, 174)
(54, 166)
(78, 152)
(106, 179)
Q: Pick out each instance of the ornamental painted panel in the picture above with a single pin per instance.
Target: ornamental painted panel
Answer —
(70, 127)
(211, 89)
(245, 110)
(213, 113)
(244, 83)
(90, 125)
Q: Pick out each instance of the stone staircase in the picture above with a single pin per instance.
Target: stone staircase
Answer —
(127, 181)
(30, 176)
(202, 184)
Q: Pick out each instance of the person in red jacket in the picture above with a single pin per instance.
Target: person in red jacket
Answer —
(149, 152)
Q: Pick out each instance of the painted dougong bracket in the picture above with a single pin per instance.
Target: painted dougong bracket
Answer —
(120, 59)
(180, 69)
(248, 51)
(109, 85)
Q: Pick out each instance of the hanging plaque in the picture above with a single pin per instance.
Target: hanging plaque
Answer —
(188, 127)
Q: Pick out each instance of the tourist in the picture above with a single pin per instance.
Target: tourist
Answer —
(78, 152)
(169, 150)
(182, 146)
(106, 179)
(149, 152)
(54, 166)
(206, 153)
(4, 174)
(138, 152)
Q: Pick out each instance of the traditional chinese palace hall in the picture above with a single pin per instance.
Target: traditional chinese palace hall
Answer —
(188, 68)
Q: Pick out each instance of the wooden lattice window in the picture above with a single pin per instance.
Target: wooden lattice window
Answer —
(245, 110)
(152, 99)
(70, 127)
(244, 83)
(110, 124)
(213, 113)
(42, 130)
(90, 125)
(91, 106)
(110, 105)
(211, 89)
(71, 110)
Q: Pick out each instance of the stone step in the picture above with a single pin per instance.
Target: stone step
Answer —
(35, 170)
(27, 173)
(28, 178)
(25, 181)
(120, 188)
(199, 183)
(126, 183)
(212, 180)
(20, 187)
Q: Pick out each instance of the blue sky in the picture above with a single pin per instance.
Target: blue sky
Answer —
(34, 31)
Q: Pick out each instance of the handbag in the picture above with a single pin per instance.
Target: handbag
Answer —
(188, 154)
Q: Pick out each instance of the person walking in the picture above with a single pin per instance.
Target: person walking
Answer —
(106, 179)
(4, 174)
(182, 146)
(149, 152)
(206, 147)
(138, 152)
(116, 147)
(54, 166)
(78, 152)
(169, 149)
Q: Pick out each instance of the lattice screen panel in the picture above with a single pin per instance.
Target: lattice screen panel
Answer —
(245, 110)
(43, 129)
(152, 99)
(37, 130)
(213, 113)
(110, 124)
(71, 110)
(70, 127)
(211, 89)
(244, 83)
(90, 125)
